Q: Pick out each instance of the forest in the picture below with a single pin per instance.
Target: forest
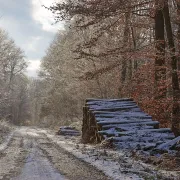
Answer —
(108, 49)
(90, 89)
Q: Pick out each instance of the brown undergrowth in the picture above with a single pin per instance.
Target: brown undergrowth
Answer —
(164, 162)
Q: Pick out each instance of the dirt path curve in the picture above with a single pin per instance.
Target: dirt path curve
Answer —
(30, 155)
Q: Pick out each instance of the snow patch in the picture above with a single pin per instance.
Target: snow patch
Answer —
(116, 164)
(110, 167)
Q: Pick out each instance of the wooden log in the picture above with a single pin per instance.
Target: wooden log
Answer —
(104, 105)
(112, 132)
(110, 104)
(66, 127)
(69, 132)
(119, 107)
(155, 124)
(141, 113)
(113, 109)
(112, 100)
(169, 145)
(117, 114)
(85, 126)
(96, 137)
(121, 116)
(122, 119)
(90, 128)
(103, 123)
(132, 128)
(92, 134)
(159, 137)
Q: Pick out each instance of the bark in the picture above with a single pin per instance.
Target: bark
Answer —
(135, 46)
(178, 34)
(125, 42)
(130, 72)
(160, 70)
(175, 82)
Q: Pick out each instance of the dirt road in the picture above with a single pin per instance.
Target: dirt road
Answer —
(30, 155)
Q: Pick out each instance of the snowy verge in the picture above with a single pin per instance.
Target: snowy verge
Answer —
(117, 165)
(108, 166)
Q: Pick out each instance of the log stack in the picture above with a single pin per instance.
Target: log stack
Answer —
(122, 122)
(68, 131)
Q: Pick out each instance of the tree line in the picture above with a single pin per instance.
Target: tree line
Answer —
(13, 81)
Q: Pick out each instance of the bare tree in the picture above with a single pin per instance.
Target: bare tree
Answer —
(13, 81)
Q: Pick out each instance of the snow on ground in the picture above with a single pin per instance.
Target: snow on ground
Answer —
(116, 164)
(109, 167)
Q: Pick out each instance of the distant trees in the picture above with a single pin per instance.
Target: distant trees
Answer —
(13, 82)
(57, 71)
(36, 89)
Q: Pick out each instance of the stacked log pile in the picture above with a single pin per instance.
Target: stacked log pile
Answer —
(123, 123)
(68, 131)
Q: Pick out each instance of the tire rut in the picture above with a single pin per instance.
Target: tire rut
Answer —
(37, 166)
(68, 164)
(30, 155)
(12, 158)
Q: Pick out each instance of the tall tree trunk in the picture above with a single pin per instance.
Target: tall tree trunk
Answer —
(178, 34)
(130, 71)
(125, 43)
(160, 69)
(124, 67)
(175, 82)
(135, 65)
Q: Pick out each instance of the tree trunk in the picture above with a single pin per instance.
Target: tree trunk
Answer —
(175, 82)
(160, 69)
(135, 65)
(178, 34)
(125, 43)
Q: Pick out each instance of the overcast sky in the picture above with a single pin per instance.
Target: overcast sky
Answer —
(30, 25)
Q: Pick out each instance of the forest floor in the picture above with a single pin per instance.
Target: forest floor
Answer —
(30, 153)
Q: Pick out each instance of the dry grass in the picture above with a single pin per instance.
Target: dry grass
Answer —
(164, 162)
(5, 129)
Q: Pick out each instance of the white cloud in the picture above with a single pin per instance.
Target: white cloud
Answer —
(34, 64)
(33, 67)
(44, 16)
(33, 43)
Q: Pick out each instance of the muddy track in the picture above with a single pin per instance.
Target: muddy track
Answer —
(12, 158)
(67, 164)
(30, 155)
